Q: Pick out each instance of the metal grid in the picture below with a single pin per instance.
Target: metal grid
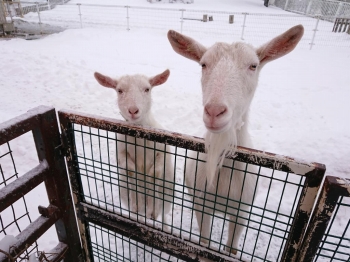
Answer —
(328, 235)
(110, 246)
(282, 198)
(16, 217)
(335, 244)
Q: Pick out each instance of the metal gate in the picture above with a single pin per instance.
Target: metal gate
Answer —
(42, 124)
(278, 225)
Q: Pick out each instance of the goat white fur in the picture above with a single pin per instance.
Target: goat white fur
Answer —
(229, 79)
(142, 172)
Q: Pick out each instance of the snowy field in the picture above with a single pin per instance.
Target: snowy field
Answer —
(301, 107)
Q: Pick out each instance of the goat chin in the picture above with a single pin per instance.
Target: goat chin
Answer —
(218, 145)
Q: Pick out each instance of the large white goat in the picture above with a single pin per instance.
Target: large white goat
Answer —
(146, 174)
(229, 79)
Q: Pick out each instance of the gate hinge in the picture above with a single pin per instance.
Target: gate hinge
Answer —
(62, 150)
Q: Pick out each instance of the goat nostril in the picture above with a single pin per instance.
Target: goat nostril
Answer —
(215, 110)
(222, 112)
(133, 111)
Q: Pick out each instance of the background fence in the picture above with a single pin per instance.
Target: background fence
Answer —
(326, 8)
(250, 27)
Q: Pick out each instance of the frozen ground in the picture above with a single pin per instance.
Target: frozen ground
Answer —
(301, 108)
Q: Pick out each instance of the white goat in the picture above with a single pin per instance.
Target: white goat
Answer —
(142, 173)
(229, 79)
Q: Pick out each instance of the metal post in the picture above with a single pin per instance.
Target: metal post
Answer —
(48, 5)
(127, 18)
(81, 22)
(37, 9)
(309, 7)
(315, 30)
(286, 5)
(182, 18)
(231, 19)
(243, 26)
(9, 11)
(339, 9)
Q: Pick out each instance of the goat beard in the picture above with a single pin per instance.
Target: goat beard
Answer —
(218, 145)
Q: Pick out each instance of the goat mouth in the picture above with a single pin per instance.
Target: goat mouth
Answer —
(216, 128)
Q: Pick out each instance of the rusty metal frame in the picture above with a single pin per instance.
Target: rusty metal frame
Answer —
(51, 170)
(313, 173)
(332, 189)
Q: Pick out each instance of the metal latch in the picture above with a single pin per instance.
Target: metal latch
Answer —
(61, 149)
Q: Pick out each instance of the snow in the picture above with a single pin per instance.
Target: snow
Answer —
(301, 108)
(7, 242)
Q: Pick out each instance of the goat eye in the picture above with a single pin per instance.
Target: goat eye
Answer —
(120, 91)
(253, 67)
(204, 66)
(147, 90)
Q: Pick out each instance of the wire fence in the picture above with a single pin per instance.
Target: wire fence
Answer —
(224, 26)
(156, 207)
(329, 8)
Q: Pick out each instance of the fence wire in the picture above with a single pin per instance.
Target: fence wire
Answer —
(133, 193)
(250, 27)
(110, 246)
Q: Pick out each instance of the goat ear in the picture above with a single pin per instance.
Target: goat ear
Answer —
(280, 45)
(105, 80)
(159, 79)
(186, 46)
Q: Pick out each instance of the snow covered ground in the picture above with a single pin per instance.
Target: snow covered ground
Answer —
(301, 107)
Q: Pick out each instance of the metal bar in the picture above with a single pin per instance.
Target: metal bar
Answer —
(314, 34)
(37, 9)
(20, 125)
(165, 242)
(75, 182)
(81, 22)
(28, 236)
(182, 18)
(303, 212)
(286, 5)
(58, 253)
(127, 18)
(21, 186)
(332, 189)
(243, 26)
(250, 156)
(47, 138)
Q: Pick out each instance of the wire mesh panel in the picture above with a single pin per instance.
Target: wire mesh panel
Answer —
(328, 236)
(147, 185)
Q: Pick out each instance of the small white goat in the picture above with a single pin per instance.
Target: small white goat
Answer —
(229, 79)
(142, 172)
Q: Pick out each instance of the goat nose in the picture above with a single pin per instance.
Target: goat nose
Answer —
(215, 110)
(133, 110)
